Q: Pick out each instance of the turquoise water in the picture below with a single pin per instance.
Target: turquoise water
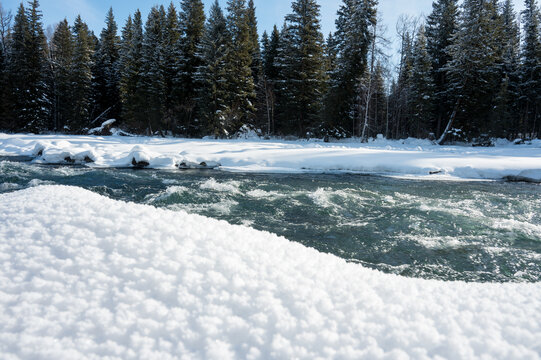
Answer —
(473, 231)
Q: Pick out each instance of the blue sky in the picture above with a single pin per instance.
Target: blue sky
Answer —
(269, 12)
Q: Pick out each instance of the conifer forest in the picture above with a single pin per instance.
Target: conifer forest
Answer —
(468, 71)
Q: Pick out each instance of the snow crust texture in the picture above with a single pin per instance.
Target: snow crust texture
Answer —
(86, 277)
(410, 157)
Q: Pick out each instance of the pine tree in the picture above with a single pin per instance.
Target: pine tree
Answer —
(81, 74)
(130, 73)
(301, 61)
(242, 94)
(62, 57)
(152, 84)
(192, 23)
(530, 73)
(212, 76)
(106, 73)
(442, 24)
(422, 87)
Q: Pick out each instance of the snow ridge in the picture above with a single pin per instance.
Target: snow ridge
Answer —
(84, 277)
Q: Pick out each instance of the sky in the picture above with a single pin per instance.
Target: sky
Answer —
(269, 12)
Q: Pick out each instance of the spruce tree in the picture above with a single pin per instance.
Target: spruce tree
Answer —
(152, 84)
(81, 76)
(130, 73)
(212, 76)
(351, 43)
(422, 87)
(242, 94)
(38, 112)
(29, 98)
(530, 73)
(5, 33)
(106, 73)
(254, 41)
(301, 61)
(62, 57)
(3, 86)
(270, 74)
(171, 58)
(442, 24)
(192, 23)
(400, 94)
(16, 71)
(270, 52)
(505, 122)
(473, 75)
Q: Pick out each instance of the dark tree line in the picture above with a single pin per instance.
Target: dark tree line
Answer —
(470, 71)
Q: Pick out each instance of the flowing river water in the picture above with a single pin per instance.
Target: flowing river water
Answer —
(446, 230)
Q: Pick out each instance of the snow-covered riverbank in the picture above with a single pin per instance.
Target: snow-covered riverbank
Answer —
(417, 158)
(84, 276)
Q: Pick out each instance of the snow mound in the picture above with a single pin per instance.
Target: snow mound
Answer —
(85, 277)
(141, 157)
(62, 152)
(104, 129)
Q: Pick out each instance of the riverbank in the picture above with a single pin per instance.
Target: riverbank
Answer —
(412, 157)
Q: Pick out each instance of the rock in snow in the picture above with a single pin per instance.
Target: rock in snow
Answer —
(86, 277)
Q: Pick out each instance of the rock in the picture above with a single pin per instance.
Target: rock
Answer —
(139, 164)
(185, 165)
(512, 178)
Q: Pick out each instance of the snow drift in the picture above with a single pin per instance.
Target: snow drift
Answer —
(83, 276)
(413, 157)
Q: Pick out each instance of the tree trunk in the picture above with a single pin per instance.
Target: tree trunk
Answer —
(441, 140)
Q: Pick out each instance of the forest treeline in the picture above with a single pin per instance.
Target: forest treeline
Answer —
(467, 71)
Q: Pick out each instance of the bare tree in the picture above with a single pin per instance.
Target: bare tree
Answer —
(377, 54)
(5, 27)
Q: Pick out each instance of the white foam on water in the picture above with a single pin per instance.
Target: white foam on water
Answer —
(268, 195)
(38, 182)
(9, 186)
(164, 195)
(223, 207)
(533, 231)
(227, 186)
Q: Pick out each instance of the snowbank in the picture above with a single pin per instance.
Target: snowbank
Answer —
(410, 157)
(83, 276)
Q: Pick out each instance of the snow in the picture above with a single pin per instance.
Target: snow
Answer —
(104, 125)
(410, 157)
(85, 277)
